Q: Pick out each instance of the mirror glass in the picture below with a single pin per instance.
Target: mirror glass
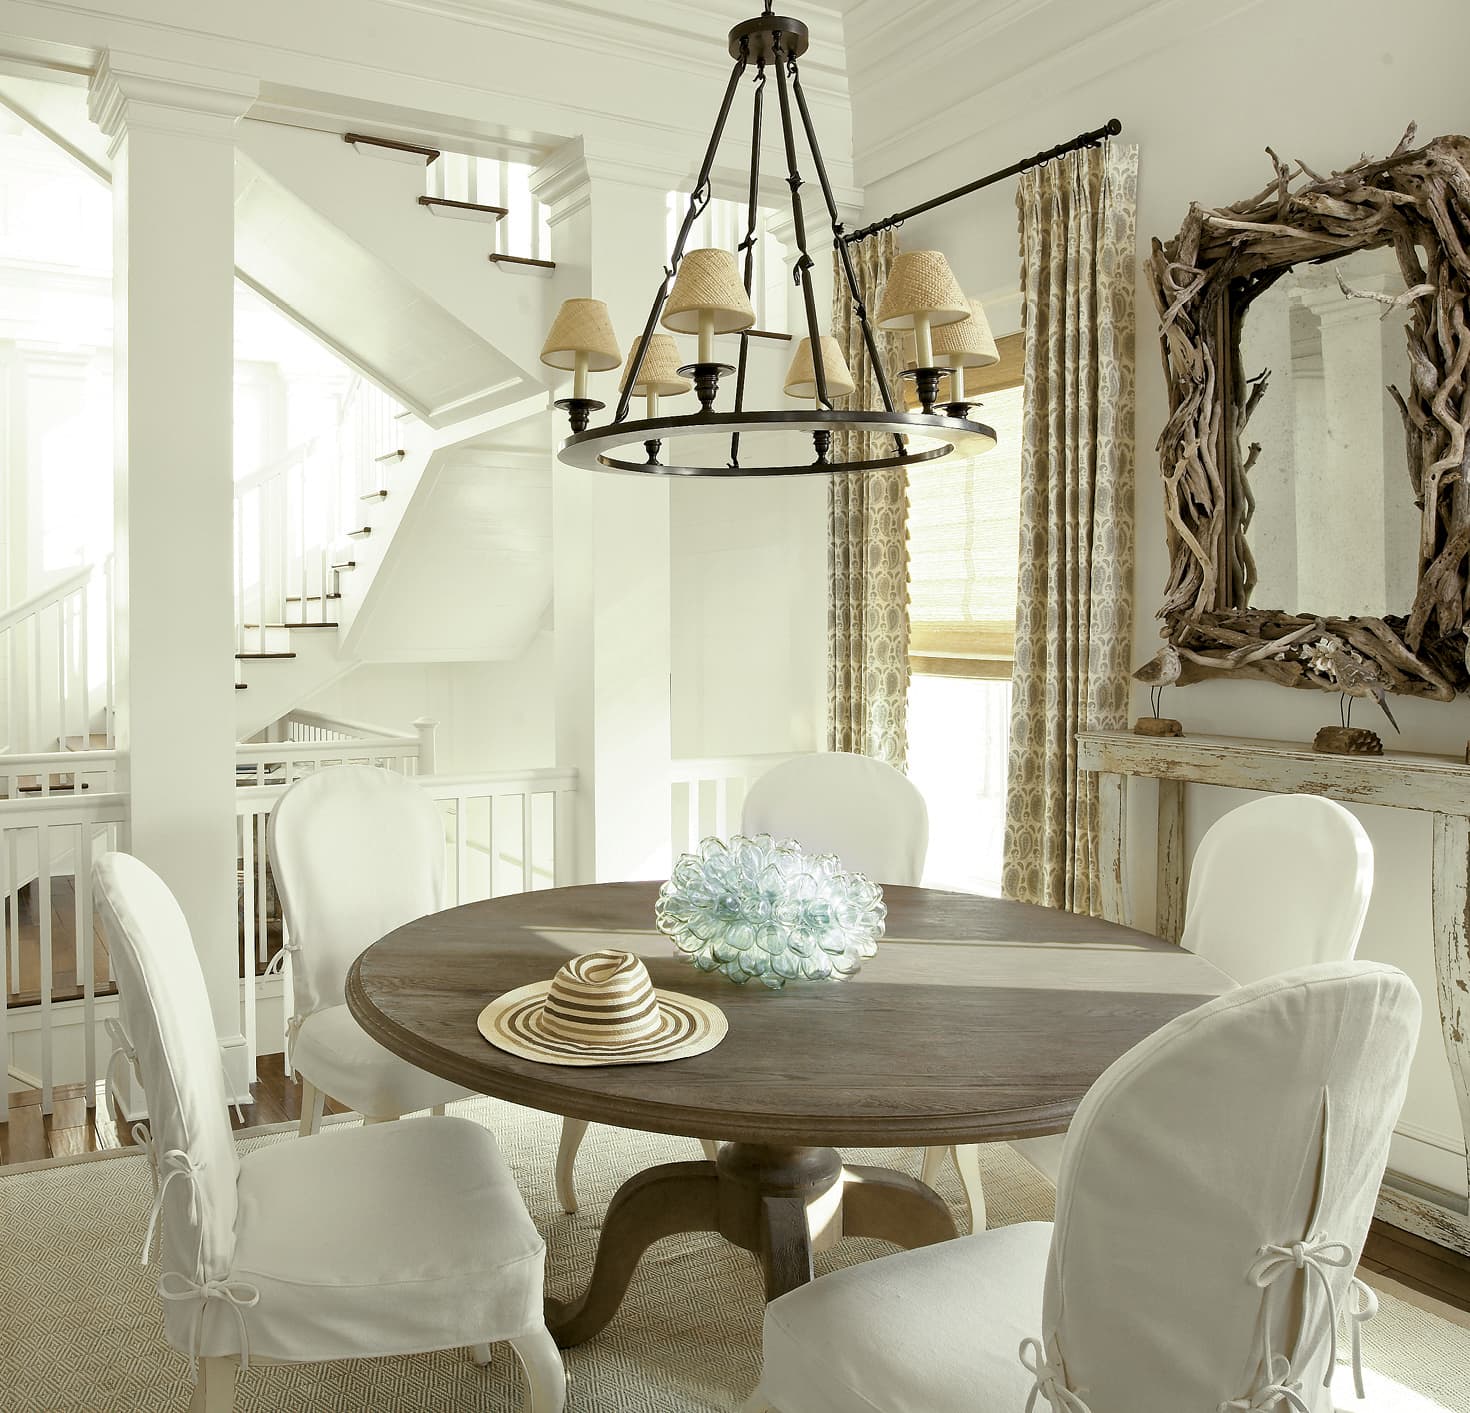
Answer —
(1334, 528)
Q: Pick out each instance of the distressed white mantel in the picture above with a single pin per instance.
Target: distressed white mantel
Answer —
(1439, 785)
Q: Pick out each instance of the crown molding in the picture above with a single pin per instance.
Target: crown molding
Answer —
(135, 91)
(686, 38)
(997, 41)
(505, 114)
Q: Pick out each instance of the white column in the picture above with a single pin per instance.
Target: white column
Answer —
(173, 151)
(610, 538)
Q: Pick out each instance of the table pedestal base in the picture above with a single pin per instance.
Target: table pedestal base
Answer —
(782, 1203)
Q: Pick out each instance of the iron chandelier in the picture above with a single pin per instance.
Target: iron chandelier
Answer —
(707, 294)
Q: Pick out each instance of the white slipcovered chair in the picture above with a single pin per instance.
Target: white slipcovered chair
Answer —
(382, 1241)
(1217, 1189)
(356, 851)
(1277, 883)
(875, 820)
(863, 810)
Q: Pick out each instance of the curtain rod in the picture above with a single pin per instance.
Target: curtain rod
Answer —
(1087, 139)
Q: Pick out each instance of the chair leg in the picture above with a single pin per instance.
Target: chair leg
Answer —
(711, 1148)
(214, 1389)
(572, 1131)
(313, 1106)
(546, 1375)
(482, 1354)
(967, 1160)
(933, 1162)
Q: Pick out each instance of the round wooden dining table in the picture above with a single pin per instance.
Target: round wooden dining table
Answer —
(979, 1020)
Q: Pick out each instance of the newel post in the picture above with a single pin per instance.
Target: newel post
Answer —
(426, 727)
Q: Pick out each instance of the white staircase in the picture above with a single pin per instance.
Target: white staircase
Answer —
(442, 550)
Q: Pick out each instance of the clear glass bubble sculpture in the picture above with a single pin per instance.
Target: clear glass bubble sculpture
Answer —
(761, 909)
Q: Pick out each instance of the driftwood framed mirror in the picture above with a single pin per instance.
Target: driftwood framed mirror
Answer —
(1316, 477)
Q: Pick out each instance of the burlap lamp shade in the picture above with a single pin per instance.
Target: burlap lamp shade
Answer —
(967, 343)
(582, 327)
(659, 376)
(921, 286)
(801, 378)
(708, 298)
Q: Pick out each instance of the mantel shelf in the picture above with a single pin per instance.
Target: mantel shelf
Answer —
(1400, 779)
(1439, 785)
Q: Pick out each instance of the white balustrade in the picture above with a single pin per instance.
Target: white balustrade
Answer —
(707, 795)
(54, 976)
(56, 665)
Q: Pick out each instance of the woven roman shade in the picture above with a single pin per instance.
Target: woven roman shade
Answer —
(964, 529)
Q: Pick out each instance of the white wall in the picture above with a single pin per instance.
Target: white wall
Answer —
(1202, 88)
(492, 715)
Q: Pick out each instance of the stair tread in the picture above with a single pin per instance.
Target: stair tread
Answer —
(241, 686)
(348, 564)
(255, 656)
(255, 627)
(312, 598)
(397, 455)
(375, 495)
(359, 534)
(470, 209)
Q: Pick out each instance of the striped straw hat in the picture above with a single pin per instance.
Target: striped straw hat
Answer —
(601, 1009)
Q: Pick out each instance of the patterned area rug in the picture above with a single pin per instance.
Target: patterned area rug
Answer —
(80, 1327)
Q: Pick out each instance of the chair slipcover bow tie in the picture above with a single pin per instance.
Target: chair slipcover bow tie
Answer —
(1050, 1381)
(175, 1286)
(1314, 1257)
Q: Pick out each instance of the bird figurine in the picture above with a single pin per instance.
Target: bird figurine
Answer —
(1162, 670)
(1358, 678)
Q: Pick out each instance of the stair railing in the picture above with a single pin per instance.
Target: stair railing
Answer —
(292, 516)
(56, 666)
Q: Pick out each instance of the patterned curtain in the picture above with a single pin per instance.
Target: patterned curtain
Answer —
(868, 552)
(1074, 598)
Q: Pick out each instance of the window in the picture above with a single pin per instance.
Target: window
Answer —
(964, 531)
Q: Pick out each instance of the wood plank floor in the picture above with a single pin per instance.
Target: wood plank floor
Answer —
(72, 1128)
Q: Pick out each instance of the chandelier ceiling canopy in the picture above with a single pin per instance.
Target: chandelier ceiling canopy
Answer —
(707, 292)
